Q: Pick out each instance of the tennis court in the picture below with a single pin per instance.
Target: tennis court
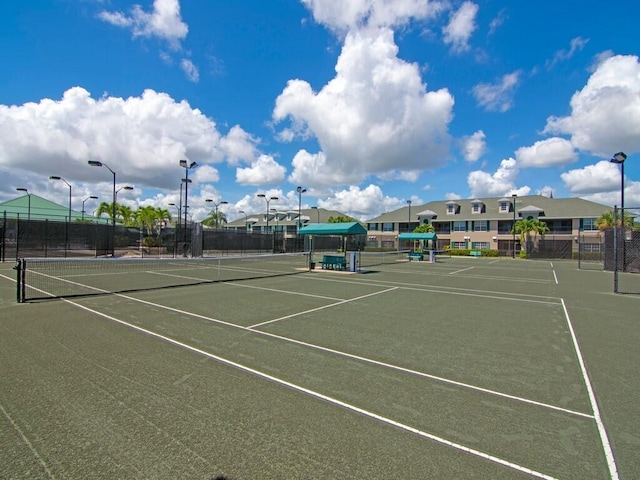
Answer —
(464, 368)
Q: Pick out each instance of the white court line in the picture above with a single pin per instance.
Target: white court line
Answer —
(608, 452)
(342, 302)
(463, 270)
(345, 354)
(326, 398)
(26, 440)
(555, 277)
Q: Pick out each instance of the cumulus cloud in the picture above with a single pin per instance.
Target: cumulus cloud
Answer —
(474, 146)
(497, 97)
(462, 24)
(164, 21)
(374, 117)
(354, 14)
(361, 203)
(601, 177)
(546, 153)
(502, 182)
(264, 171)
(141, 138)
(602, 113)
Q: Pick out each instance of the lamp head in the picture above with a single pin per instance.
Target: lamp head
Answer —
(95, 163)
(127, 188)
(22, 190)
(301, 190)
(186, 180)
(183, 163)
(93, 197)
(261, 195)
(619, 158)
(55, 177)
(224, 202)
(273, 198)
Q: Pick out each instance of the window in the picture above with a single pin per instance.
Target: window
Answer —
(504, 207)
(442, 227)
(387, 244)
(592, 247)
(373, 227)
(476, 208)
(458, 245)
(505, 226)
(589, 224)
(480, 245)
(387, 227)
(480, 226)
(460, 226)
(451, 209)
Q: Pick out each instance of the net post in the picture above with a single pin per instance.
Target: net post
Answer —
(20, 289)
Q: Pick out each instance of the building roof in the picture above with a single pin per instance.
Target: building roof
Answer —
(308, 216)
(553, 208)
(417, 236)
(349, 228)
(37, 208)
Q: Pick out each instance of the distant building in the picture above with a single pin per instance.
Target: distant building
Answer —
(284, 221)
(487, 223)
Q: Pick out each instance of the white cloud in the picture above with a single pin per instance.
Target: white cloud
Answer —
(601, 177)
(546, 153)
(497, 97)
(497, 21)
(239, 145)
(577, 44)
(353, 14)
(361, 203)
(474, 146)
(164, 21)
(462, 24)
(190, 70)
(603, 113)
(502, 182)
(141, 138)
(374, 117)
(264, 171)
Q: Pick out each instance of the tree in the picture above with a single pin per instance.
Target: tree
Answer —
(214, 220)
(606, 220)
(340, 219)
(527, 226)
(424, 228)
(151, 219)
(107, 208)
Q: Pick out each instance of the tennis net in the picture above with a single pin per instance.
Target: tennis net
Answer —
(40, 278)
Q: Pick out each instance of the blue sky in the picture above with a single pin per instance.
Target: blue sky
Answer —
(365, 103)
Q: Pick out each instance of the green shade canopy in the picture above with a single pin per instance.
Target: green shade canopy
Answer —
(417, 236)
(350, 228)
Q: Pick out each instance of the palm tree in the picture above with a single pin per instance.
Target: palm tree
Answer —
(126, 214)
(340, 219)
(424, 228)
(107, 208)
(527, 226)
(214, 220)
(606, 220)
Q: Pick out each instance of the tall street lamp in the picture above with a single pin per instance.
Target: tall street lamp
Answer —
(409, 223)
(513, 228)
(125, 187)
(56, 177)
(21, 189)
(92, 197)
(268, 200)
(95, 163)
(222, 202)
(619, 159)
(300, 191)
(275, 210)
(187, 166)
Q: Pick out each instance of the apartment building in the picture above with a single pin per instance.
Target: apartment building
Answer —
(487, 223)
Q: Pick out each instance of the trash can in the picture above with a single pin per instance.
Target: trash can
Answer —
(352, 262)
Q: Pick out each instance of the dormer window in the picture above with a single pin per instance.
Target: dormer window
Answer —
(452, 208)
(505, 206)
(476, 206)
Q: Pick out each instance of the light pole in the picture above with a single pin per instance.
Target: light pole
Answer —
(66, 230)
(300, 191)
(187, 166)
(96, 163)
(177, 231)
(275, 210)
(93, 197)
(409, 223)
(268, 200)
(513, 227)
(28, 201)
(222, 202)
(246, 220)
(318, 212)
(619, 159)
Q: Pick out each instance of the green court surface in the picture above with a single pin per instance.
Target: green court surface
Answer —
(462, 369)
